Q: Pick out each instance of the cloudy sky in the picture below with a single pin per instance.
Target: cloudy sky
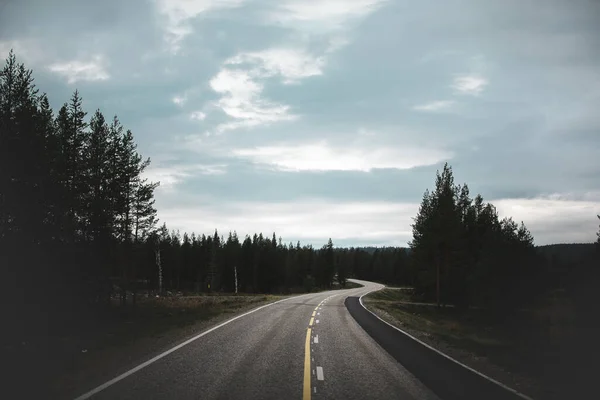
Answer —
(329, 118)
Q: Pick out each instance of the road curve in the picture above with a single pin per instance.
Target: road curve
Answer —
(306, 347)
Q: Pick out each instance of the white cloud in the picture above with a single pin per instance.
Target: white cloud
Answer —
(198, 116)
(241, 87)
(179, 13)
(241, 99)
(308, 220)
(170, 176)
(321, 14)
(179, 100)
(186, 96)
(556, 218)
(240, 80)
(469, 84)
(324, 157)
(434, 105)
(80, 70)
(26, 50)
(291, 64)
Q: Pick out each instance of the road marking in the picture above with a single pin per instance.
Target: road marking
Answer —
(314, 313)
(179, 346)
(318, 313)
(519, 394)
(320, 374)
(317, 321)
(312, 320)
(316, 340)
(306, 388)
(315, 389)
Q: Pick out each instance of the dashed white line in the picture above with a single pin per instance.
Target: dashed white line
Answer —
(315, 389)
(316, 340)
(318, 313)
(320, 373)
(317, 321)
(313, 371)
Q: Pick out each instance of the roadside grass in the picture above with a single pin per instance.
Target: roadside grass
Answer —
(154, 316)
(462, 328)
(392, 295)
(522, 350)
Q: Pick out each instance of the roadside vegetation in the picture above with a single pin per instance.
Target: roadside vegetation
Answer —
(482, 292)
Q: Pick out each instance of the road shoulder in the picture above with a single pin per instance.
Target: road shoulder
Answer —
(445, 377)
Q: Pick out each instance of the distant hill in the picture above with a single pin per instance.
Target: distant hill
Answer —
(568, 252)
(371, 249)
(564, 252)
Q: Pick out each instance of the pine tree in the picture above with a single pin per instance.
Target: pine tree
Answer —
(21, 142)
(144, 213)
(76, 179)
(99, 215)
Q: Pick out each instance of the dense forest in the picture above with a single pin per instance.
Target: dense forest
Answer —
(78, 229)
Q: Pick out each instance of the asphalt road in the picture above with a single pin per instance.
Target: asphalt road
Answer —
(280, 351)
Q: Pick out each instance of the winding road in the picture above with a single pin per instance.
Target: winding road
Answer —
(303, 347)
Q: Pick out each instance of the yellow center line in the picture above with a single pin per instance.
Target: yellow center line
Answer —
(312, 321)
(314, 313)
(306, 390)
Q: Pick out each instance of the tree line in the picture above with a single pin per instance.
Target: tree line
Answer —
(255, 264)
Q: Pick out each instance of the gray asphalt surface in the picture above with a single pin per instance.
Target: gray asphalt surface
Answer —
(262, 356)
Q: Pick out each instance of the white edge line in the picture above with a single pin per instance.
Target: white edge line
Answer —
(439, 352)
(166, 353)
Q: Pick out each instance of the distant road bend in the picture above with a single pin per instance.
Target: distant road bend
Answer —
(305, 347)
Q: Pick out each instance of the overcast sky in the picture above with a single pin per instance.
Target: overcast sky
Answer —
(329, 118)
